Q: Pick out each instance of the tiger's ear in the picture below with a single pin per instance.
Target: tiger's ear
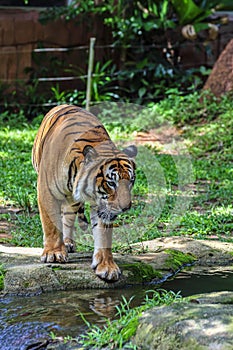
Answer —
(89, 153)
(131, 151)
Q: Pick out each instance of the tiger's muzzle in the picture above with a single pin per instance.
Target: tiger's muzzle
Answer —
(119, 203)
(106, 216)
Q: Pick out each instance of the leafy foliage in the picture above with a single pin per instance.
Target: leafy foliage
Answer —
(141, 66)
(146, 47)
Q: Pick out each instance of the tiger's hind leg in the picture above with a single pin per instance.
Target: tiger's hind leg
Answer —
(68, 220)
(50, 214)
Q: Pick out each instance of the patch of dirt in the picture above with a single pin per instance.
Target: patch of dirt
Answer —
(5, 228)
(160, 138)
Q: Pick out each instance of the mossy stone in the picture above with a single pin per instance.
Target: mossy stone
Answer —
(203, 325)
(140, 272)
(177, 259)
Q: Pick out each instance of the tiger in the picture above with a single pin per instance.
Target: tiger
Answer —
(77, 162)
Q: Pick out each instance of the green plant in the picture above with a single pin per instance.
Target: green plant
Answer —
(27, 230)
(10, 119)
(102, 82)
(2, 274)
(67, 12)
(71, 97)
(16, 166)
(215, 222)
(146, 46)
(117, 334)
(189, 11)
(23, 101)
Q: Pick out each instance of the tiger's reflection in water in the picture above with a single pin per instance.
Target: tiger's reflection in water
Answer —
(104, 306)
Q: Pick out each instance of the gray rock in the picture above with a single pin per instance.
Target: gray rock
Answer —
(158, 260)
(203, 322)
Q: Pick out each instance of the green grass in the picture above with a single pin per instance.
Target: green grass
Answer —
(18, 184)
(115, 334)
(17, 177)
(182, 193)
(2, 274)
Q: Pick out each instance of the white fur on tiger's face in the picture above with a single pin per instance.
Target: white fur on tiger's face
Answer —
(76, 163)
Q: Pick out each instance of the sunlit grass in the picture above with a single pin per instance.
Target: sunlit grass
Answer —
(17, 177)
(216, 221)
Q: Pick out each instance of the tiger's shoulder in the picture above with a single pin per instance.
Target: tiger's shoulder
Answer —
(69, 122)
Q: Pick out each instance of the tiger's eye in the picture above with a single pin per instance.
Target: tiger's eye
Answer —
(111, 184)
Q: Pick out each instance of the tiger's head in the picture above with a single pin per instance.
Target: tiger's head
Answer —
(108, 181)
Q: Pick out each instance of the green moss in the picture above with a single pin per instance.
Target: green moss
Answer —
(141, 272)
(2, 274)
(57, 268)
(177, 259)
(26, 284)
(224, 298)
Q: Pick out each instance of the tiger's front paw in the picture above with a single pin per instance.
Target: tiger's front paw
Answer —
(104, 266)
(58, 255)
